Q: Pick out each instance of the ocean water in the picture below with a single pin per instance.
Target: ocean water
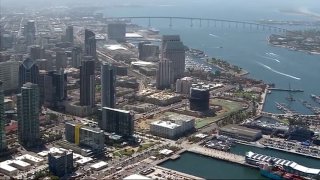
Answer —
(243, 46)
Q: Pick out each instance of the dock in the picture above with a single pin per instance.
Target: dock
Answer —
(222, 155)
(171, 174)
(288, 90)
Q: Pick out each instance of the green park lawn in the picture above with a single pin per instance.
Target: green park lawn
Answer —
(227, 108)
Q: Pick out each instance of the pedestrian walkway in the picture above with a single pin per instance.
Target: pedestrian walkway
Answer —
(218, 154)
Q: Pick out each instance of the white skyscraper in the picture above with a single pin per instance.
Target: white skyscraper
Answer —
(164, 74)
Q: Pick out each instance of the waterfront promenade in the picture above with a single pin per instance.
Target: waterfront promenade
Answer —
(218, 154)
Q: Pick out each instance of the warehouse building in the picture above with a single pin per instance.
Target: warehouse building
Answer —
(173, 126)
(240, 132)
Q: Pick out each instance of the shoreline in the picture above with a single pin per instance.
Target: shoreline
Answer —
(291, 48)
(292, 152)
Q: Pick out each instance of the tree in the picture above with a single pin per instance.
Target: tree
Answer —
(53, 117)
(217, 73)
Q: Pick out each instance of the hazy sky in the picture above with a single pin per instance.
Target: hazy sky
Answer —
(312, 6)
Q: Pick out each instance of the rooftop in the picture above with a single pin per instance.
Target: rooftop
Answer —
(99, 165)
(136, 176)
(84, 160)
(133, 35)
(117, 110)
(30, 158)
(232, 128)
(5, 165)
(115, 47)
(180, 117)
(166, 124)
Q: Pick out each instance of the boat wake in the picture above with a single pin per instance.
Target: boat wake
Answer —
(213, 35)
(278, 72)
(271, 58)
(272, 54)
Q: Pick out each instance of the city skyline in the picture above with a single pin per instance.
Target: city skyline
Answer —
(140, 89)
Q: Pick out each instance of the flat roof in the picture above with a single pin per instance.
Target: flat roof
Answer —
(166, 124)
(143, 63)
(115, 47)
(136, 176)
(233, 128)
(84, 160)
(180, 117)
(166, 151)
(30, 158)
(5, 166)
(117, 110)
(133, 35)
(20, 163)
(98, 165)
(43, 153)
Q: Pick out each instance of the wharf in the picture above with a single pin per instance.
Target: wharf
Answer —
(289, 90)
(171, 174)
(219, 154)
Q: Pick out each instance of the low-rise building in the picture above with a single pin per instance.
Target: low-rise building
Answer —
(8, 170)
(240, 132)
(173, 126)
(31, 159)
(162, 98)
(98, 166)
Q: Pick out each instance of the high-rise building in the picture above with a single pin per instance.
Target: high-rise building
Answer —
(42, 84)
(28, 72)
(30, 32)
(60, 162)
(164, 74)
(6, 40)
(199, 99)
(90, 44)
(76, 55)
(148, 50)
(28, 115)
(55, 89)
(174, 50)
(61, 60)
(108, 91)
(183, 85)
(117, 121)
(84, 135)
(9, 72)
(117, 32)
(44, 64)
(69, 34)
(3, 141)
(87, 82)
(36, 52)
(168, 38)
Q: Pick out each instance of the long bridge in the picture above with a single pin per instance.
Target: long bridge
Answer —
(201, 21)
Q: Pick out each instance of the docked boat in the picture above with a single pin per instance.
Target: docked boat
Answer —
(277, 172)
(288, 168)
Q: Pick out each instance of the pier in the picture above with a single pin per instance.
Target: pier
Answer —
(288, 90)
(172, 174)
(219, 154)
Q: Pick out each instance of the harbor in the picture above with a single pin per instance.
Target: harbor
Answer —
(206, 162)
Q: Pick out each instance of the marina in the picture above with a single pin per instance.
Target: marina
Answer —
(211, 168)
